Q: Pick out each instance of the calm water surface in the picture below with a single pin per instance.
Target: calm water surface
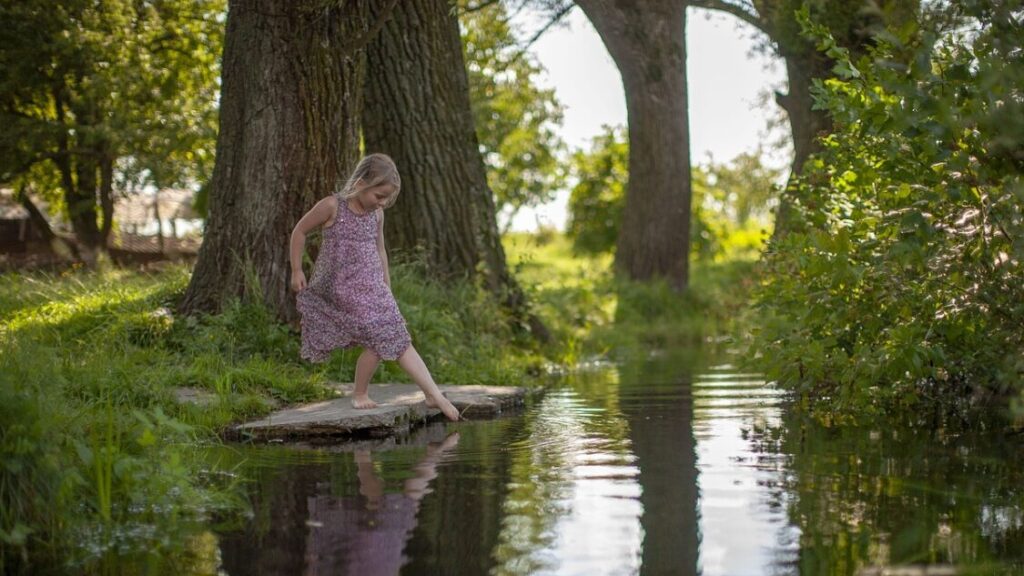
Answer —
(673, 465)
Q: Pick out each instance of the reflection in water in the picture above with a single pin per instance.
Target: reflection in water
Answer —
(657, 402)
(744, 523)
(899, 496)
(352, 537)
(670, 465)
(340, 533)
(571, 506)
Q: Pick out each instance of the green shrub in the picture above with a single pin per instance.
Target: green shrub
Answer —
(899, 283)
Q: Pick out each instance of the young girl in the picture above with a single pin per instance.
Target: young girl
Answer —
(348, 301)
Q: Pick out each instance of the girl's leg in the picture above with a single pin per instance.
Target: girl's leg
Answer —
(366, 365)
(412, 363)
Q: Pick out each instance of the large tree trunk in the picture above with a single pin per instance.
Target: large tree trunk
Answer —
(806, 124)
(79, 198)
(289, 118)
(648, 43)
(418, 112)
(853, 25)
(106, 193)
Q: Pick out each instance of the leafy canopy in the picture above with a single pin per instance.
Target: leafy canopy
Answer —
(731, 201)
(136, 81)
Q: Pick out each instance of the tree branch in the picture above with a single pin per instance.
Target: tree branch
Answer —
(35, 215)
(735, 9)
(554, 20)
(478, 7)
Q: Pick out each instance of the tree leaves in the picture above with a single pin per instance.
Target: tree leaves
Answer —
(908, 226)
(135, 82)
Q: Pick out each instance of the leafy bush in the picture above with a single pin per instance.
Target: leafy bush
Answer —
(900, 281)
(597, 199)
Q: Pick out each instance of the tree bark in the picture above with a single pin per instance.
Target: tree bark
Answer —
(418, 112)
(648, 44)
(106, 192)
(289, 118)
(78, 197)
(806, 124)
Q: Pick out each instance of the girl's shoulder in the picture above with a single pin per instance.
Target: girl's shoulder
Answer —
(330, 204)
(330, 201)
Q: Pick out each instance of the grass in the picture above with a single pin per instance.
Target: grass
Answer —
(100, 460)
(595, 314)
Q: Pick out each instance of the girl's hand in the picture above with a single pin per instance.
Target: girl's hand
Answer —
(298, 281)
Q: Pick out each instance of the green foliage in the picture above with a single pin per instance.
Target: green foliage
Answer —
(126, 84)
(595, 206)
(592, 314)
(731, 205)
(515, 119)
(900, 282)
(571, 292)
(730, 201)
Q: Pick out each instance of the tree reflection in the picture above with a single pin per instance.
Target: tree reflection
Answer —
(656, 400)
(871, 497)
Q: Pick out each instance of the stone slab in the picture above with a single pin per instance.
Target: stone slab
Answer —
(434, 431)
(400, 408)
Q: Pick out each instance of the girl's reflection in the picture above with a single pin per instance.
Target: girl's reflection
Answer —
(368, 536)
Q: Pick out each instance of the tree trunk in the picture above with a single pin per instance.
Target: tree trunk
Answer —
(78, 197)
(40, 223)
(159, 222)
(648, 44)
(418, 112)
(806, 124)
(106, 192)
(289, 116)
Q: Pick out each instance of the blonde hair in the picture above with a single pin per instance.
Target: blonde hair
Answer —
(373, 170)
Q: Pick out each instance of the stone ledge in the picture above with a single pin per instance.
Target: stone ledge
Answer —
(400, 408)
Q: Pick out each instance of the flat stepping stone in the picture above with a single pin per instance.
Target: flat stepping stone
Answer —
(400, 407)
(434, 431)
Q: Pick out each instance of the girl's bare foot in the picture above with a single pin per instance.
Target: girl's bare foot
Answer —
(363, 402)
(450, 442)
(446, 407)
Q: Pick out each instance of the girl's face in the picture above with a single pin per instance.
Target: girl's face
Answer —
(372, 197)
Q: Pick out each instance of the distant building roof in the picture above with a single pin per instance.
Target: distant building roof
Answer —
(135, 209)
(11, 208)
(138, 208)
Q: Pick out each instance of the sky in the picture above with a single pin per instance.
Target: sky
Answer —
(727, 80)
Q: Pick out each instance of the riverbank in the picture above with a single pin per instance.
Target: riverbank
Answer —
(97, 446)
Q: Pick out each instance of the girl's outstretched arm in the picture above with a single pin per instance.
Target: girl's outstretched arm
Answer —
(324, 211)
(382, 250)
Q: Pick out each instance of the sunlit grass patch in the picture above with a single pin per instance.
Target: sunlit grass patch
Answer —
(594, 313)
